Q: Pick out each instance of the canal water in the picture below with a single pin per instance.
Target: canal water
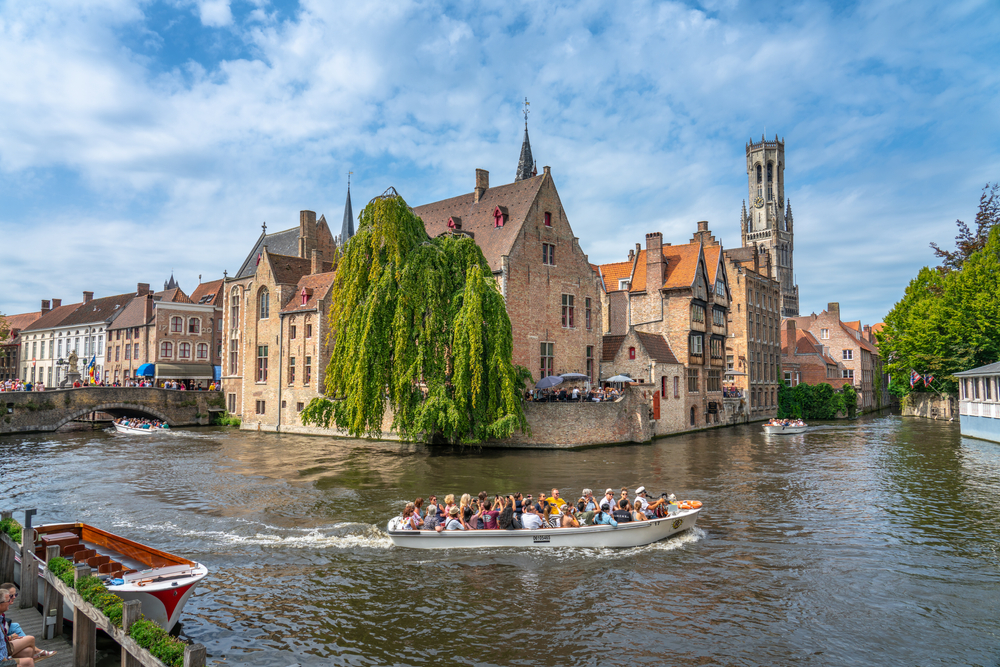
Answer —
(868, 542)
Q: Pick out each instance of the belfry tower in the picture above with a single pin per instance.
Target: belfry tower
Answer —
(769, 222)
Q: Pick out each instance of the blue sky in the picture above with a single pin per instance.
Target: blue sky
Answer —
(138, 137)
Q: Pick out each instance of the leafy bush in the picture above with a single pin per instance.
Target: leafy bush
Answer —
(12, 528)
(225, 419)
(816, 401)
(157, 641)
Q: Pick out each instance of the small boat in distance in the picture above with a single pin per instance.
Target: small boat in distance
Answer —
(785, 427)
(124, 425)
(160, 581)
(632, 534)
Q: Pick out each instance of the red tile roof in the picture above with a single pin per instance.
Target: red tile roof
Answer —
(53, 318)
(288, 270)
(610, 346)
(657, 347)
(17, 322)
(210, 292)
(317, 286)
(612, 273)
(682, 264)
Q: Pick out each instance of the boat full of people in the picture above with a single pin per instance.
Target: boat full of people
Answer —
(140, 425)
(520, 521)
(162, 582)
(785, 426)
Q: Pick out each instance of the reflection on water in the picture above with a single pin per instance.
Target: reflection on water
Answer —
(857, 542)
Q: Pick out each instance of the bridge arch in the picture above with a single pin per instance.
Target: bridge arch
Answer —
(116, 409)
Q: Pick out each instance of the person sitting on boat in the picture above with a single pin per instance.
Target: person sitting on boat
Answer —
(449, 502)
(624, 513)
(556, 505)
(490, 516)
(431, 521)
(568, 518)
(590, 503)
(542, 503)
(453, 523)
(609, 498)
(507, 520)
(467, 515)
(603, 516)
(642, 503)
(408, 518)
(530, 519)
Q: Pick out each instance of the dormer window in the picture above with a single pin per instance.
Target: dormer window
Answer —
(499, 216)
(455, 222)
(623, 284)
(305, 296)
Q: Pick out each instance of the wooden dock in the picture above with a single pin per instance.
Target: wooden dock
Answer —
(31, 623)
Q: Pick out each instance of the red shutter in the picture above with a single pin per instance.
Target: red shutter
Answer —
(656, 405)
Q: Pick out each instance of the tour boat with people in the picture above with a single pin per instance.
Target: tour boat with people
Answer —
(624, 535)
(162, 582)
(145, 429)
(785, 427)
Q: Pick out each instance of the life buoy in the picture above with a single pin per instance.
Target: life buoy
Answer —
(695, 504)
(683, 506)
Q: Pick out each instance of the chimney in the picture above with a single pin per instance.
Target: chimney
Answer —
(142, 289)
(790, 328)
(317, 262)
(833, 308)
(56, 303)
(307, 233)
(45, 306)
(149, 306)
(631, 254)
(88, 297)
(756, 258)
(547, 171)
(482, 183)
(654, 262)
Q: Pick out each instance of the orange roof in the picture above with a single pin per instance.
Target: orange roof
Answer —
(878, 327)
(639, 275)
(210, 292)
(317, 286)
(682, 264)
(612, 273)
(712, 263)
(856, 325)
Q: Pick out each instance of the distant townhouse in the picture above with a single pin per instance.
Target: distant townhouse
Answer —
(805, 360)
(551, 291)
(10, 348)
(753, 348)
(681, 294)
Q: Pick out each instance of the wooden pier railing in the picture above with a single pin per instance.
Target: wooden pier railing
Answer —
(86, 617)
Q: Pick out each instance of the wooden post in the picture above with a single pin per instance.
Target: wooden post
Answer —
(84, 629)
(52, 606)
(194, 656)
(132, 612)
(7, 559)
(29, 570)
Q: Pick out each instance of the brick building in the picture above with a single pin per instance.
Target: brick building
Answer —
(275, 339)
(805, 360)
(753, 348)
(166, 329)
(854, 351)
(681, 293)
(648, 359)
(10, 347)
(551, 291)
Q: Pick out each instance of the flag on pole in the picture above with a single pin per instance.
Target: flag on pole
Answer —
(92, 368)
(914, 378)
(928, 379)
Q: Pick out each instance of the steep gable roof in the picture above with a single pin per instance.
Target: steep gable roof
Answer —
(317, 286)
(477, 217)
(174, 295)
(682, 264)
(611, 274)
(134, 315)
(210, 292)
(287, 270)
(712, 263)
(21, 321)
(279, 243)
(610, 345)
(657, 347)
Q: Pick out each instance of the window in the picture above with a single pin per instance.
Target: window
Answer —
(848, 355)
(590, 362)
(262, 363)
(128, 350)
(677, 386)
(291, 370)
(307, 376)
(720, 288)
(759, 175)
(692, 381)
(824, 334)
(234, 308)
(547, 358)
(184, 351)
(848, 374)
(548, 219)
(586, 303)
(623, 284)
(264, 304)
(59, 348)
(194, 325)
(692, 416)
(291, 332)
(713, 381)
(234, 358)
(567, 310)
(631, 353)
(176, 325)
(548, 254)
(309, 331)
(697, 313)
(986, 388)
(166, 349)
(260, 407)
(203, 350)
(718, 317)
(231, 403)
(118, 352)
(34, 350)
(695, 344)
(100, 347)
(299, 406)
(128, 334)
(716, 344)
(663, 386)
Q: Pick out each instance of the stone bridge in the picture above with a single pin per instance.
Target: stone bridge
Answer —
(26, 411)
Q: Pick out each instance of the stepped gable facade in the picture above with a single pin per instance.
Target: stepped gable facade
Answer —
(680, 293)
(753, 349)
(274, 325)
(551, 291)
(10, 348)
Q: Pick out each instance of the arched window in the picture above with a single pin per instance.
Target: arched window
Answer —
(194, 325)
(176, 325)
(234, 308)
(184, 350)
(759, 179)
(693, 417)
(166, 349)
(264, 304)
(770, 172)
(203, 350)
(631, 353)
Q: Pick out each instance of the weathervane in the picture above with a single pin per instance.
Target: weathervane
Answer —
(349, 179)
(526, 111)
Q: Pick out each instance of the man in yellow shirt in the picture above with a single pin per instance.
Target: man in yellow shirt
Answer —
(555, 507)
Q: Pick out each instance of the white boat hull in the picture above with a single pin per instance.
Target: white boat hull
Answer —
(784, 430)
(142, 431)
(633, 534)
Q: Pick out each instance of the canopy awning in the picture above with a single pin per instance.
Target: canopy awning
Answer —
(185, 372)
(146, 370)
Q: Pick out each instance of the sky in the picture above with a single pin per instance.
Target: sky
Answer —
(140, 138)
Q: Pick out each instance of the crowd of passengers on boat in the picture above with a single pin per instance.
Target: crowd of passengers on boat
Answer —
(139, 422)
(786, 422)
(548, 510)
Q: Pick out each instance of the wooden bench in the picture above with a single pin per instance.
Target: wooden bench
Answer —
(82, 556)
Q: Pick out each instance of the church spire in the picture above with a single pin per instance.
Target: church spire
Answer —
(788, 214)
(526, 163)
(347, 231)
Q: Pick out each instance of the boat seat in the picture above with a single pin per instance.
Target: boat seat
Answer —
(108, 567)
(61, 540)
(82, 556)
(97, 561)
(67, 552)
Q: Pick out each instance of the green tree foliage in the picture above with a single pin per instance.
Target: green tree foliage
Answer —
(4, 328)
(947, 321)
(420, 328)
(968, 242)
(816, 401)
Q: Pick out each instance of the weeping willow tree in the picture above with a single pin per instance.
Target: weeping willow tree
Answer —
(420, 328)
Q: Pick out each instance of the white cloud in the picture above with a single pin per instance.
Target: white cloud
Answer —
(215, 13)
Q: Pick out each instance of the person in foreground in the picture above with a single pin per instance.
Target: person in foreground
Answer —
(6, 659)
